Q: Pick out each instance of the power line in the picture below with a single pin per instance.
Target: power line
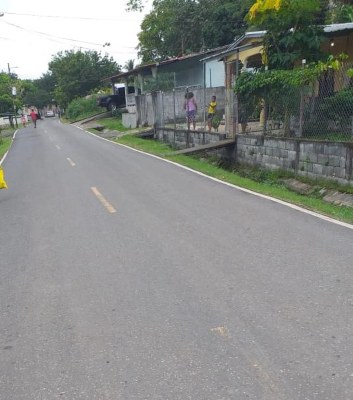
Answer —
(49, 35)
(64, 43)
(71, 17)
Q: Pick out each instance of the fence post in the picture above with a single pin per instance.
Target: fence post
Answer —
(174, 109)
(236, 110)
(204, 95)
(301, 109)
(187, 119)
(301, 113)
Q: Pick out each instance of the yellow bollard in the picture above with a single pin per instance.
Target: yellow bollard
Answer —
(3, 184)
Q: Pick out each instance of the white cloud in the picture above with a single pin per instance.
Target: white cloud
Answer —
(32, 32)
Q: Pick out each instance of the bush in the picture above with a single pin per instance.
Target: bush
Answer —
(82, 107)
(339, 108)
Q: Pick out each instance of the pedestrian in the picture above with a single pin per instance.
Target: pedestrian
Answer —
(211, 112)
(34, 117)
(190, 107)
(24, 120)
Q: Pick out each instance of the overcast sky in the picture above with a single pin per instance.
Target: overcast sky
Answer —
(32, 32)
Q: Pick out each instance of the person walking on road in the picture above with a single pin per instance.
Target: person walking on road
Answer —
(24, 120)
(34, 117)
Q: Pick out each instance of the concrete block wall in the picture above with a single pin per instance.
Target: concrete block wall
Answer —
(313, 159)
(179, 138)
(328, 159)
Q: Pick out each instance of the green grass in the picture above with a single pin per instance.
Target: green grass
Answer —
(267, 183)
(5, 143)
(113, 124)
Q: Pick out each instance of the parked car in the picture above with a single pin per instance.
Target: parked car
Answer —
(50, 113)
(117, 100)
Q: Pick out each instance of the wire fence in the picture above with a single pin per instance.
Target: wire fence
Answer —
(319, 111)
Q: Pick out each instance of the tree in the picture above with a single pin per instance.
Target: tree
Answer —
(292, 32)
(339, 12)
(7, 100)
(177, 27)
(135, 5)
(224, 20)
(39, 92)
(78, 73)
(129, 65)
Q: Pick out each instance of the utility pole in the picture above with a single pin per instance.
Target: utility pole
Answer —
(14, 93)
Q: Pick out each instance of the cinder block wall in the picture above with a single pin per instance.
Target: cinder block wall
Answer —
(313, 159)
(181, 139)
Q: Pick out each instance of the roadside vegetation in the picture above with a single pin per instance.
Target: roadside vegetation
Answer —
(82, 108)
(114, 124)
(5, 140)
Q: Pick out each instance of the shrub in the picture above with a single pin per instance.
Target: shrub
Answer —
(82, 107)
(339, 107)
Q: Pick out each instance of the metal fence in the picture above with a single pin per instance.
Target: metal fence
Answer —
(320, 111)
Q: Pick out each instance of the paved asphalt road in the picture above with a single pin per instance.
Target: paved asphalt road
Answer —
(124, 277)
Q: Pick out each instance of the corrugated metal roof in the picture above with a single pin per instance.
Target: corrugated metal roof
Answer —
(171, 60)
(338, 27)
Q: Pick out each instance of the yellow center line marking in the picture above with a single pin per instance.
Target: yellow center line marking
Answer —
(70, 161)
(58, 147)
(221, 330)
(101, 198)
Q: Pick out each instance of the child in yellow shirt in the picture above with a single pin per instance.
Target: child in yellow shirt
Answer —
(211, 112)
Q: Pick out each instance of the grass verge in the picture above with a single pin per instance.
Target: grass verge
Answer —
(5, 143)
(266, 184)
(114, 124)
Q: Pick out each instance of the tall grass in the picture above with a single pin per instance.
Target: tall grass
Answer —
(81, 108)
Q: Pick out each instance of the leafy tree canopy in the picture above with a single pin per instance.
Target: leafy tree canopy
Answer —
(340, 12)
(176, 27)
(39, 92)
(7, 100)
(135, 5)
(292, 30)
(77, 73)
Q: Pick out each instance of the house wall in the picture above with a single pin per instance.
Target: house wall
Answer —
(342, 44)
(245, 54)
(189, 77)
(214, 74)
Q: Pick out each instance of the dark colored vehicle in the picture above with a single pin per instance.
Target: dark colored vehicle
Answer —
(114, 101)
